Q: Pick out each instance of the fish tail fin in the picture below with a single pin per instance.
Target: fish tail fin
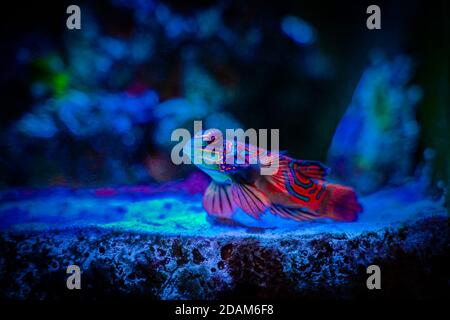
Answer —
(340, 203)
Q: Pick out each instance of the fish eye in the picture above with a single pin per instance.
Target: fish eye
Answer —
(208, 140)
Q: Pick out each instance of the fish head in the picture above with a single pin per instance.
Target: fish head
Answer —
(206, 150)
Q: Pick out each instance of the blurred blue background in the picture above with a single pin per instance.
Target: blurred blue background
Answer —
(96, 106)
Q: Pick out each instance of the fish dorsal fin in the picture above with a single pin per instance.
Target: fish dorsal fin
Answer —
(311, 169)
(250, 199)
(290, 170)
(217, 200)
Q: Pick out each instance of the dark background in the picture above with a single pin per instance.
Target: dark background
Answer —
(271, 87)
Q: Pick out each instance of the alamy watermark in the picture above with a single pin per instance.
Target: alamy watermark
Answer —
(373, 22)
(74, 280)
(239, 147)
(73, 21)
(374, 280)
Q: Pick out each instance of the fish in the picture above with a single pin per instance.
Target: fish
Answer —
(297, 190)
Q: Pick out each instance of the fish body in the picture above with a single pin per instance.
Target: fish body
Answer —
(297, 190)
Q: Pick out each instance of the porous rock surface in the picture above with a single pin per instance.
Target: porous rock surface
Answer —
(140, 265)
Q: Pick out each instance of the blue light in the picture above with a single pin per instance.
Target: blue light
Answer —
(41, 125)
(298, 30)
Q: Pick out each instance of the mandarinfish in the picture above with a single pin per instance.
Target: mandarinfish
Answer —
(296, 190)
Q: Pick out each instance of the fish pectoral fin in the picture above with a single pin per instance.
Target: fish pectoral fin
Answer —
(217, 200)
(298, 214)
(250, 199)
(310, 169)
